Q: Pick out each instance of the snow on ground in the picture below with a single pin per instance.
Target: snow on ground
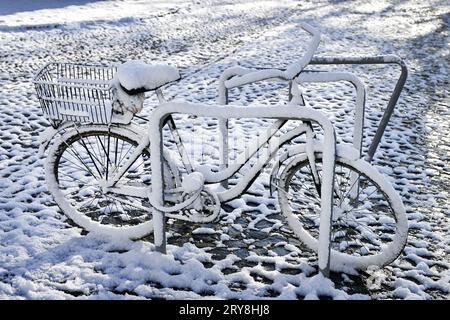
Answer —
(250, 253)
(74, 13)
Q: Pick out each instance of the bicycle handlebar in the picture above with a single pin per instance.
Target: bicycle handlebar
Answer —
(238, 76)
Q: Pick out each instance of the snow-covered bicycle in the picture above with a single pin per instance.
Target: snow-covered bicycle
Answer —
(114, 177)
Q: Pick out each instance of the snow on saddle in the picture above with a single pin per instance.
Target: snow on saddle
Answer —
(136, 76)
(133, 79)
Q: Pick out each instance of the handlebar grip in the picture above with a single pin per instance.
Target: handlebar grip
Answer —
(310, 29)
(295, 68)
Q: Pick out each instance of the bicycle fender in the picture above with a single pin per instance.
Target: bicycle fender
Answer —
(292, 151)
(44, 139)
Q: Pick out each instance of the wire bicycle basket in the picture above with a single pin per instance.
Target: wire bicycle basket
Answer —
(74, 92)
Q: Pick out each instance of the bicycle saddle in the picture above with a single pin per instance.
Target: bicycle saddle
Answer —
(136, 76)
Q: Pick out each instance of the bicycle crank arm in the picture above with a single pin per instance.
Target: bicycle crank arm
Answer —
(141, 192)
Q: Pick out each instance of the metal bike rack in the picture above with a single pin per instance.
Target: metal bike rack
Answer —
(316, 76)
(226, 112)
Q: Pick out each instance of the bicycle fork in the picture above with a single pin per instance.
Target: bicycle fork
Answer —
(310, 136)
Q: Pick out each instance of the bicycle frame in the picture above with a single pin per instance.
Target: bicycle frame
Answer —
(270, 145)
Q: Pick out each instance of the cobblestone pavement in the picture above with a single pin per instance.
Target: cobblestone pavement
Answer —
(250, 253)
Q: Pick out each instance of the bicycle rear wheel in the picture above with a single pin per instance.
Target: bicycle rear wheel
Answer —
(79, 166)
(369, 224)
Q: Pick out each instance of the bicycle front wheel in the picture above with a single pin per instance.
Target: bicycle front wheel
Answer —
(79, 166)
(369, 223)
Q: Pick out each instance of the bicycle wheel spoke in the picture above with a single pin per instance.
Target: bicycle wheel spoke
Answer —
(115, 151)
(94, 154)
(86, 203)
(342, 196)
(125, 155)
(90, 156)
(105, 152)
(76, 154)
(75, 166)
(71, 176)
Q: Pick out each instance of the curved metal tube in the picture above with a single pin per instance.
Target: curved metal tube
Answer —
(327, 76)
(386, 59)
(277, 112)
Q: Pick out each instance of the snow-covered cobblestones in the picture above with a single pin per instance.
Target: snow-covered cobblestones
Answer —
(250, 253)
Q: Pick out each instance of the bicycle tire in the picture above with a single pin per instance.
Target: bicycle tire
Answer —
(308, 233)
(58, 165)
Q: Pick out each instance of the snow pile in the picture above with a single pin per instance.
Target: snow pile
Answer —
(203, 230)
(136, 74)
(319, 286)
